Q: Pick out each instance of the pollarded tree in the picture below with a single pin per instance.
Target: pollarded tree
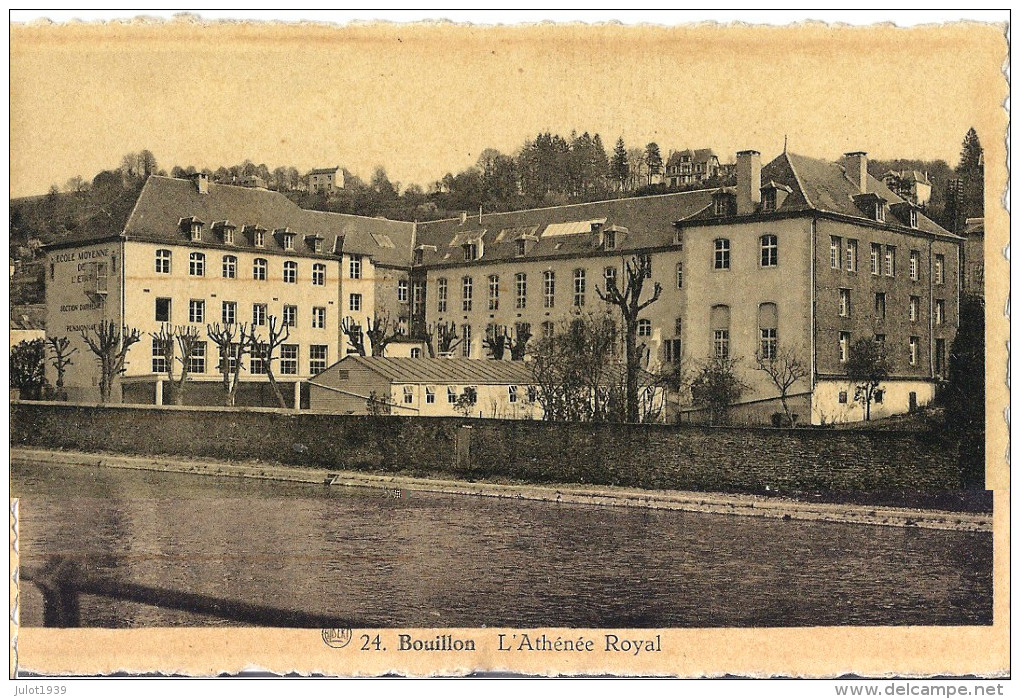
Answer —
(62, 351)
(628, 300)
(381, 331)
(234, 343)
(518, 342)
(785, 366)
(495, 341)
(110, 344)
(866, 368)
(176, 345)
(265, 352)
(355, 335)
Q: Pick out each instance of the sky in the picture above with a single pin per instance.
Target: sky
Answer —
(426, 100)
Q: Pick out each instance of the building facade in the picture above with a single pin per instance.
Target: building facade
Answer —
(685, 167)
(326, 180)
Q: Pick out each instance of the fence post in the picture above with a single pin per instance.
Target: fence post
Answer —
(463, 447)
(159, 391)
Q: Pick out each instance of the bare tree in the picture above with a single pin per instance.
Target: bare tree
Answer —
(62, 351)
(866, 368)
(168, 342)
(716, 387)
(496, 340)
(446, 338)
(785, 366)
(628, 300)
(355, 335)
(234, 343)
(518, 343)
(381, 332)
(265, 351)
(110, 344)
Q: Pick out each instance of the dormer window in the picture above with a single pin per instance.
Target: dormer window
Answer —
(228, 236)
(259, 239)
(913, 218)
(288, 241)
(720, 206)
(419, 257)
(678, 238)
(768, 200)
(196, 232)
(194, 228)
(317, 244)
(470, 252)
(879, 211)
(522, 247)
(609, 239)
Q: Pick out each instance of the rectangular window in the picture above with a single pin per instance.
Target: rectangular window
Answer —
(879, 396)
(451, 395)
(679, 275)
(843, 397)
(768, 343)
(851, 256)
(228, 314)
(354, 302)
(609, 274)
(258, 314)
(548, 328)
(914, 311)
(290, 272)
(940, 269)
(579, 287)
(890, 261)
(441, 295)
(163, 258)
(721, 259)
(915, 265)
(769, 251)
(159, 364)
(674, 350)
(318, 274)
(163, 310)
(288, 357)
(355, 267)
(408, 395)
(549, 288)
(402, 291)
(196, 264)
(521, 284)
(465, 331)
(493, 293)
(430, 395)
(844, 303)
(288, 241)
(512, 393)
(721, 343)
(876, 258)
(317, 358)
(196, 363)
(940, 311)
(880, 304)
(290, 316)
(466, 293)
(229, 267)
(835, 251)
(260, 239)
(418, 299)
(256, 365)
(915, 342)
(196, 311)
(260, 269)
(844, 347)
(319, 317)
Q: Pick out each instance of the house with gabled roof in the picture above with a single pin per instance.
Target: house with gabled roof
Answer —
(685, 167)
(326, 179)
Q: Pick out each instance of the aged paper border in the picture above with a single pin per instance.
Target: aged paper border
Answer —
(812, 652)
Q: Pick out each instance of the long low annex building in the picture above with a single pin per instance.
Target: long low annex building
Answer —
(425, 386)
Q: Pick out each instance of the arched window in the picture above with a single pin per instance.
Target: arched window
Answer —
(319, 274)
(260, 269)
(290, 272)
(720, 322)
(769, 250)
(722, 253)
(768, 324)
(196, 264)
(644, 328)
(229, 267)
(163, 259)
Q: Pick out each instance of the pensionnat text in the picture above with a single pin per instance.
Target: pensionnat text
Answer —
(522, 642)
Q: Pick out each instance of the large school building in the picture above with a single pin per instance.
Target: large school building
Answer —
(803, 255)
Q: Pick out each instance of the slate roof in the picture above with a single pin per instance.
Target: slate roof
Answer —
(165, 201)
(324, 170)
(649, 221)
(30, 317)
(459, 370)
(698, 155)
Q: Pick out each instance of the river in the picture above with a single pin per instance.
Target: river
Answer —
(410, 559)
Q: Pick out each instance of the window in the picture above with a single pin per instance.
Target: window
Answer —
(196, 264)
(914, 310)
(229, 267)
(430, 395)
(402, 291)
(843, 397)
(890, 261)
(228, 314)
(522, 247)
(579, 287)
(851, 256)
(648, 268)
(418, 257)
(609, 274)
(940, 311)
(521, 285)
(844, 303)
(940, 357)
(256, 365)
(844, 347)
(720, 206)
(196, 311)
(317, 355)
(418, 299)
(290, 316)
(549, 288)
(835, 251)
(196, 232)
(548, 328)
(416, 353)
(720, 321)
(229, 354)
(196, 363)
(470, 252)
(451, 394)
(408, 395)
(609, 240)
(163, 310)
(465, 331)
(769, 250)
(354, 302)
(879, 396)
(914, 344)
(679, 275)
(288, 357)
(493, 292)
(879, 211)
(512, 393)
(260, 269)
(441, 295)
(674, 350)
(722, 253)
(258, 314)
(290, 272)
(768, 324)
(876, 256)
(768, 203)
(466, 293)
(644, 328)
(260, 242)
(163, 258)
(159, 363)
(288, 241)
(319, 317)
(880, 304)
(316, 244)
(940, 269)
(355, 267)
(228, 235)
(913, 218)
(915, 265)
(318, 274)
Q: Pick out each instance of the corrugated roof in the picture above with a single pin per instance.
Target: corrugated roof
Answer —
(439, 371)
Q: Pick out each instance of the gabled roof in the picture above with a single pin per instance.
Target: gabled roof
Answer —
(437, 371)
(698, 155)
(649, 221)
(324, 170)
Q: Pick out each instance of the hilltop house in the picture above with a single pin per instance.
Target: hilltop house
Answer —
(684, 167)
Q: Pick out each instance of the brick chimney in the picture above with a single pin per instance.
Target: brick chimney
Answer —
(748, 181)
(856, 165)
(201, 182)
